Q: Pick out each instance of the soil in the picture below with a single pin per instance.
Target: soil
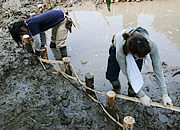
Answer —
(33, 98)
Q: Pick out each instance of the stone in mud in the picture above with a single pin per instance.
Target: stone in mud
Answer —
(65, 103)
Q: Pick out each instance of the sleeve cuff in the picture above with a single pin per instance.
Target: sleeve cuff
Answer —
(163, 90)
(141, 94)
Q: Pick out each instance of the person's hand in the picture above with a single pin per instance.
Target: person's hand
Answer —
(146, 101)
(166, 100)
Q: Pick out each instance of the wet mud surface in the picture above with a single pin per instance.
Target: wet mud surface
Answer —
(31, 98)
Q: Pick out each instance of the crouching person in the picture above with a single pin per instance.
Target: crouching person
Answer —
(36, 26)
(128, 50)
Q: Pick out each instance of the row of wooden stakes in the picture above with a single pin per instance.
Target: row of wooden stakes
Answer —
(110, 102)
(128, 121)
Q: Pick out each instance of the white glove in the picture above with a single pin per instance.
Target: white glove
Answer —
(146, 101)
(166, 100)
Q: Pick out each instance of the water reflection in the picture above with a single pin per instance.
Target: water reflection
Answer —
(90, 41)
(166, 16)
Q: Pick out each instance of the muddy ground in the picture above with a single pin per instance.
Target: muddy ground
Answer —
(31, 98)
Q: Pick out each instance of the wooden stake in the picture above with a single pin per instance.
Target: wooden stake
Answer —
(32, 14)
(40, 8)
(48, 4)
(67, 64)
(128, 123)
(27, 43)
(89, 79)
(43, 53)
(110, 100)
(62, 66)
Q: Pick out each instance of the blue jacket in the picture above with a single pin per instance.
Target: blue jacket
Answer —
(44, 21)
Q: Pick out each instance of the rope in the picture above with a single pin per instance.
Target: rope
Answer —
(174, 108)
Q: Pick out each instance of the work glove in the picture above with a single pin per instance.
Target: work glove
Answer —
(166, 100)
(146, 101)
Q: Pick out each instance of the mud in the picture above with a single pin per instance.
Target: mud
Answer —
(31, 98)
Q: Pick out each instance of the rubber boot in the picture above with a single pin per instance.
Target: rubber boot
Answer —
(116, 86)
(63, 51)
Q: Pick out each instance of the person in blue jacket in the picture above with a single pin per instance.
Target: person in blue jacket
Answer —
(36, 26)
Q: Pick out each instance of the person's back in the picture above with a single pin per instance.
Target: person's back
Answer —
(132, 46)
(44, 21)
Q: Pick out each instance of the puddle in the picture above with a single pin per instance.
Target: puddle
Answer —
(90, 40)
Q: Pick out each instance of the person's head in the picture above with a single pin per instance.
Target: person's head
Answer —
(136, 44)
(17, 30)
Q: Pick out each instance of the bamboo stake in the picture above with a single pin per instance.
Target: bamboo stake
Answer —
(40, 8)
(108, 113)
(89, 79)
(68, 65)
(110, 100)
(27, 43)
(128, 123)
(43, 53)
(32, 14)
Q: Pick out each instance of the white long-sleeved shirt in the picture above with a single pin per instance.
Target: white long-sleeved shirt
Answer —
(154, 54)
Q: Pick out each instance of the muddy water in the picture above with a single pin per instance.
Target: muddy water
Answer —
(90, 40)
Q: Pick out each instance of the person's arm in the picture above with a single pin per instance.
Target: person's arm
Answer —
(157, 67)
(37, 41)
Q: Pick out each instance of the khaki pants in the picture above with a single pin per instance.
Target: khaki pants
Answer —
(59, 34)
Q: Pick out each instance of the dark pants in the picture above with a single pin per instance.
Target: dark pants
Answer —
(63, 50)
(113, 69)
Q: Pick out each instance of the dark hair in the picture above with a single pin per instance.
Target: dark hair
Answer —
(136, 45)
(16, 32)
